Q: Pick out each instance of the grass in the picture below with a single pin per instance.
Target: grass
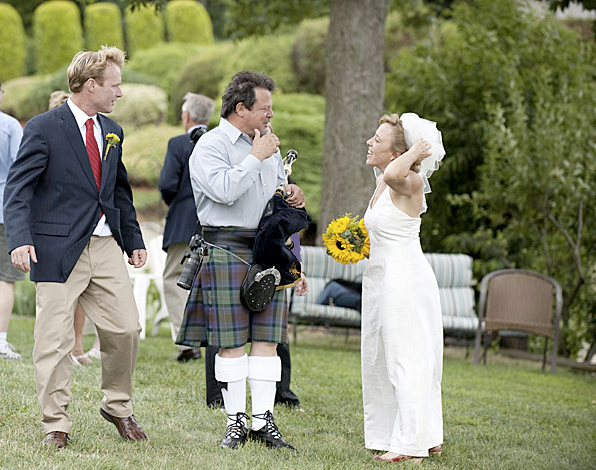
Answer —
(507, 415)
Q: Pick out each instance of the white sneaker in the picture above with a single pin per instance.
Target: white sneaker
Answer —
(7, 352)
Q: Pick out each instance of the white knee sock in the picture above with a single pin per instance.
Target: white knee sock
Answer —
(263, 375)
(233, 371)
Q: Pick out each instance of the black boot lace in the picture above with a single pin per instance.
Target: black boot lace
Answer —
(236, 429)
(269, 424)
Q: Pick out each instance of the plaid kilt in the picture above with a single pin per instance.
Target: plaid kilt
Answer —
(214, 314)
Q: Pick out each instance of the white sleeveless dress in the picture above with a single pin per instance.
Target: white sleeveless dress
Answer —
(402, 337)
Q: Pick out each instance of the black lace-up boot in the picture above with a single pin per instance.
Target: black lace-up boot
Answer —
(269, 434)
(235, 432)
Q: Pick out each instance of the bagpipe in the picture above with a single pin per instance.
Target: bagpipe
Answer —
(274, 265)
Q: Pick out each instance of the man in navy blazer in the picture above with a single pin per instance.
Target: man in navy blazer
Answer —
(69, 215)
(181, 220)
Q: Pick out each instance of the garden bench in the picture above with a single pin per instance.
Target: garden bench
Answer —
(454, 276)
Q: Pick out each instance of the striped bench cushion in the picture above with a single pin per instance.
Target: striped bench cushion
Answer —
(454, 277)
(451, 270)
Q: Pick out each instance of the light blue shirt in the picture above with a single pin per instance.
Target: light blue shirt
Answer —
(230, 185)
(11, 133)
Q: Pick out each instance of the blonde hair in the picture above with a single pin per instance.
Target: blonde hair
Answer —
(399, 137)
(398, 143)
(89, 64)
(57, 98)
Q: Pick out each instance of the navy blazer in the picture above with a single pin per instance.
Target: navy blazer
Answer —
(51, 199)
(176, 191)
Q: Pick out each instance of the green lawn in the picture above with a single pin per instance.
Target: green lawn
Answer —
(507, 415)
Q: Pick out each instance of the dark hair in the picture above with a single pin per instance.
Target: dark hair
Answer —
(242, 90)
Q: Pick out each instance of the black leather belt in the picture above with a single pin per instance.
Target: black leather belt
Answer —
(226, 237)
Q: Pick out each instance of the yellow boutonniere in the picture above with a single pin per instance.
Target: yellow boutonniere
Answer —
(112, 139)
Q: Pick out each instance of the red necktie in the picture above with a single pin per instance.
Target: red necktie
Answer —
(93, 152)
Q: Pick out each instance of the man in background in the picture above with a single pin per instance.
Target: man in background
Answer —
(181, 220)
(10, 138)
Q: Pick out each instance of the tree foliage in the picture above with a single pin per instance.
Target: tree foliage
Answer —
(250, 18)
(520, 166)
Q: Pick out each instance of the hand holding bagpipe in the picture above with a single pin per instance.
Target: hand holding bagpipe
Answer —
(292, 193)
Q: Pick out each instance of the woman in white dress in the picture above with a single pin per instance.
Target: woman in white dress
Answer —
(402, 330)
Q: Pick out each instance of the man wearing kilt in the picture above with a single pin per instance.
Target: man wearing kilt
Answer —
(234, 171)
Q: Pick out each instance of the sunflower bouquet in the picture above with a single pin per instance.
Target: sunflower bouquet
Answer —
(346, 240)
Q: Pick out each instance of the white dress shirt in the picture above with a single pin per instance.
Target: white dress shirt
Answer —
(102, 229)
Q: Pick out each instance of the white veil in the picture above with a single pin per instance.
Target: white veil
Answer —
(415, 128)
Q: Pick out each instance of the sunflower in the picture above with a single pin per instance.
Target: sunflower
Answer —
(346, 240)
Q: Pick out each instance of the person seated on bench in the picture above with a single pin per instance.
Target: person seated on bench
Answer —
(342, 293)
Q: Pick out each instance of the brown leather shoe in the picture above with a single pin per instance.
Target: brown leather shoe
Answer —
(128, 428)
(56, 438)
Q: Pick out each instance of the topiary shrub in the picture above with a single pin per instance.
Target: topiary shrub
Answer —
(134, 76)
(103, 26)
(25, 97)
(143, 151)
(308, 55)
(15, 92)
(203, 74)
(163, 62)
(140, 105)
(57, 34)
(13, 46)
(144, 28)
(188, 21)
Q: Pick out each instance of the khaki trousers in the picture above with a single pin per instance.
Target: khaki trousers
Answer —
(176, 296)
(101, 284)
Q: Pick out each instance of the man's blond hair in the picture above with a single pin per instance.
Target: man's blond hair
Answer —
(90, 64)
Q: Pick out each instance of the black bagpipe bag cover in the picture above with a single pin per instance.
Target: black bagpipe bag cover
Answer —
(278, 223)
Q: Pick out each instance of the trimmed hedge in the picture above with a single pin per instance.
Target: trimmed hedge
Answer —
(57, 35)
(103, 26)
(163, 62)
(143, 151)
(26, 97)
(140, 105)
(13, 46)
(188, 21)
(203, 74)
(144, 28)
